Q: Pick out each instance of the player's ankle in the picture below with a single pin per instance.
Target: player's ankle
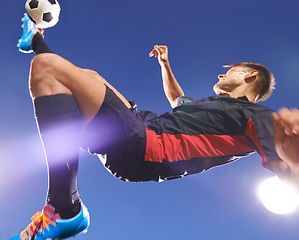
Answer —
(66, 207)
(67, 211)
(39, 45)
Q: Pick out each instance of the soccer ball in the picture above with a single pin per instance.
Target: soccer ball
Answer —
(44, 13)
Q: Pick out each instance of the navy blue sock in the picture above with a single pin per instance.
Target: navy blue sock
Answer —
(59, 123)
(39, 45)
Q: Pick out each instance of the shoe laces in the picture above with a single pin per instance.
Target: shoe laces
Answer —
(40, 221)
(41, 31)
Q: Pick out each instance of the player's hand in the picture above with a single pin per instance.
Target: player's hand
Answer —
(161, 52)
(286, 138)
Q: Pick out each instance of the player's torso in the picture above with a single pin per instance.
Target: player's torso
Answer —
(206, 128)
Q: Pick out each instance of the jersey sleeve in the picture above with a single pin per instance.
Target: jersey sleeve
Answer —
(260, 130)
(184, 99)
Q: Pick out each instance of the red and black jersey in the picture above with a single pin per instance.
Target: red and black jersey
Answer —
(203, 133)
(197, 135)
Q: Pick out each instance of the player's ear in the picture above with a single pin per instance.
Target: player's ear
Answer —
(251, 76)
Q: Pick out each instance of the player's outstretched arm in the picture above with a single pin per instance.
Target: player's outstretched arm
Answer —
(171, 87)
(286, 139)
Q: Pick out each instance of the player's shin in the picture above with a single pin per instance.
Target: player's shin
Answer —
(59, 122)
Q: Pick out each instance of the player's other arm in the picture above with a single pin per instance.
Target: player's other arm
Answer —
(171, 87)
(286, 139)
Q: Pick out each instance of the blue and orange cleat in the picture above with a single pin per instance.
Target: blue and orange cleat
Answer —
(29, 30)
(46, 225)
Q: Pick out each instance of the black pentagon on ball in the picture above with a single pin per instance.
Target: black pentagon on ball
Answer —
(47, 17)
(33, 4)
(52, 1)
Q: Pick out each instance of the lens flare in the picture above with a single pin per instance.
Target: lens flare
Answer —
(277, 196)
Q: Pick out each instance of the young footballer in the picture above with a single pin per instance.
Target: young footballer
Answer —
(76, 107)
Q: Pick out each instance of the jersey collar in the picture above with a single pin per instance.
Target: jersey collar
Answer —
(244, 98)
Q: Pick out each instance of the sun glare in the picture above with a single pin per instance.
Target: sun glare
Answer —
(277, 196)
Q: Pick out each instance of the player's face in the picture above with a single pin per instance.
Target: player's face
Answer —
(233, 78)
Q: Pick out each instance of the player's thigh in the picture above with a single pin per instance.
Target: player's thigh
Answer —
(87, 90)
(90, 94)
(103, 80)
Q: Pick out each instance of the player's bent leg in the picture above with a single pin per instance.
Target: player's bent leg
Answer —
(87, 87)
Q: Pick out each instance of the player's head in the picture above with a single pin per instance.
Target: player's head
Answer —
(253, 78)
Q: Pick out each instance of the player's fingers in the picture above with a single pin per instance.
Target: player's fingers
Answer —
(285, 115)
(153, 52)
(283, 111)
(295, 129)
(286, 125)
(279, 128)
(290, 118)
(158, 49)
(278, 124)
(286, 118)
(294, 112)
(161, 48)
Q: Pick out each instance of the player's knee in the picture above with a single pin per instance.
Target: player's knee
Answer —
(40, 69)
(42, 80)
(42, 63)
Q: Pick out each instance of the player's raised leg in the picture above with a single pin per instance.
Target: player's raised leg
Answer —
(60, 124)
(66, 98)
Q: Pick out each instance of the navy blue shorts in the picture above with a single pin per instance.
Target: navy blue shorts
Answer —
(118, 132)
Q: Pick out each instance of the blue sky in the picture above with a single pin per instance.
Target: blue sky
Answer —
(114, 38)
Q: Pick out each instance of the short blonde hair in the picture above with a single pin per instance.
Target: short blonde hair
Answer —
(266, 78)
